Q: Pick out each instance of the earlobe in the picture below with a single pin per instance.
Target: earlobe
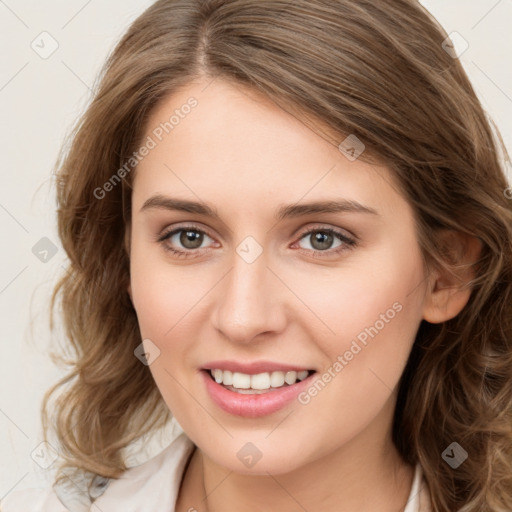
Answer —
(449, 289)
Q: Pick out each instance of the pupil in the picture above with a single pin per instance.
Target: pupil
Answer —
(324, 240)
(191, 239)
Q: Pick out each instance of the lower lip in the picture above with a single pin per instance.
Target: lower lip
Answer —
(252, 406)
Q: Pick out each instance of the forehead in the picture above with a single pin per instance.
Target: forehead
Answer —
(235, 144)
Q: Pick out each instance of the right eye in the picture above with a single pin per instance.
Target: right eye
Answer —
(184, 240)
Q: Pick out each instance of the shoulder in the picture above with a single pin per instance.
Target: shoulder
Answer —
(149, 486)
(152, 486)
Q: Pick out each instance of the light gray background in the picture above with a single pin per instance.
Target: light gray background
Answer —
(40, 99)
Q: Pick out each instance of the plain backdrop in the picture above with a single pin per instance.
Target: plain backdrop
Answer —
(40, 97)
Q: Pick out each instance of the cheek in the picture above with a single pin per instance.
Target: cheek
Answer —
(376, 295)
(163, 297)
(162, 293)
(375, 312)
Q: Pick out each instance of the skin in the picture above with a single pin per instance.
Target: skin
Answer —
(246, 157)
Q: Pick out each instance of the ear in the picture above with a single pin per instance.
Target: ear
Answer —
(448, 291)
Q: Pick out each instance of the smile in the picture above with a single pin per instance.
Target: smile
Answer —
(254, 395)
(256, 384)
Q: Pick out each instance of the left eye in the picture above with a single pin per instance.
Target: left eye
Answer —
(322, 240)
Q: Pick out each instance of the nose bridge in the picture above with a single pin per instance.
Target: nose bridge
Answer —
(249, 301)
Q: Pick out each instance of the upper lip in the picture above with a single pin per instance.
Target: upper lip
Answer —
(254, 367)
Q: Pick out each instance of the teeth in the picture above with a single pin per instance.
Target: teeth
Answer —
(240, 380)
(277, 379)
(227, 377)
(302, 375)
(290, 377)
(260, 381)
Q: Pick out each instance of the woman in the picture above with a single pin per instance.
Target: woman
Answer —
(288, 227)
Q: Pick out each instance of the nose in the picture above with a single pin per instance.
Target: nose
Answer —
(250, 302)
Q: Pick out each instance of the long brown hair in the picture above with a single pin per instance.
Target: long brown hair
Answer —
(373, 68)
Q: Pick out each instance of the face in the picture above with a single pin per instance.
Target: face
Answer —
(230, 270)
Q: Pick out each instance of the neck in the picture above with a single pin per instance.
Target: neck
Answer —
(325, 484)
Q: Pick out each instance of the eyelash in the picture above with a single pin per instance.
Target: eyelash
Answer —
(348, 243)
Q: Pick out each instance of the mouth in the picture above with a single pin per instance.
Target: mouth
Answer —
(257, 384)
(255, 395)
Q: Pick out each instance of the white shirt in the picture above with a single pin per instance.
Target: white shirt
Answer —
(149, 487)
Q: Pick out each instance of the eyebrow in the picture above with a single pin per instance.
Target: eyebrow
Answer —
(286, 211)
